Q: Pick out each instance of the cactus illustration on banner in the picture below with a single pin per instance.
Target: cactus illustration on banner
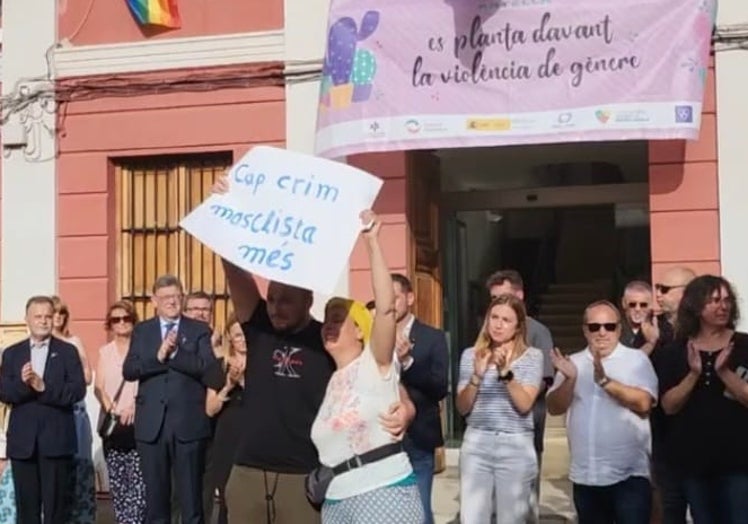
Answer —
(364, 69)
(347, 68)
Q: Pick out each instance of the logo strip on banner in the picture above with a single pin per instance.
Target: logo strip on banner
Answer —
(511, 72)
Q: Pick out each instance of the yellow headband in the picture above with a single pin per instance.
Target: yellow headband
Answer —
(357, 312)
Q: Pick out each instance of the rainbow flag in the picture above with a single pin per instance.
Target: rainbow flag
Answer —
(164, 13)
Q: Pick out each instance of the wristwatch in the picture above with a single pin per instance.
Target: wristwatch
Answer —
(506, 377)
(603, 382)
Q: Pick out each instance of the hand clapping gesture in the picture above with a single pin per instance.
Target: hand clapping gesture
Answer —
(597, 363)
(480, 366)
(403, 347)
(168, 346)
(31, 379)
(563, 364)
(501, 358)
(694, 359)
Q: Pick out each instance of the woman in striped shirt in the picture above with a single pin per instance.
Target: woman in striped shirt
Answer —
(499, 381)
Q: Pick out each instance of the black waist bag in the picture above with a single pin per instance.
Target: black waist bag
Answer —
(319, 479)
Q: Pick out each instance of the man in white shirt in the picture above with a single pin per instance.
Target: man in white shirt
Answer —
(608, 391)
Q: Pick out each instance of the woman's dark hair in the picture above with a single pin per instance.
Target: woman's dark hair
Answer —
(695, 298)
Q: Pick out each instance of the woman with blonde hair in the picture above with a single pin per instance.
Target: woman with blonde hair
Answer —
(225, 381)
(499, 381)
(83, 484)
(379, 485)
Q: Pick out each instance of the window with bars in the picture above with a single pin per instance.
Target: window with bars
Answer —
(152, 195)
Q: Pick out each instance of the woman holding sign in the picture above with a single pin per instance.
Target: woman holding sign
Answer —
(372, 479)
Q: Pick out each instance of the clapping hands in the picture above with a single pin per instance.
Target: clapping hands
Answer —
(31, 378)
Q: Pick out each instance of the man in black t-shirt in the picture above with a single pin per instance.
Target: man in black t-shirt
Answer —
(669, 502)
(285, 382)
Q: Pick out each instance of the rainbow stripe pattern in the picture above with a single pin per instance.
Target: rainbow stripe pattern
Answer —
(164, 13)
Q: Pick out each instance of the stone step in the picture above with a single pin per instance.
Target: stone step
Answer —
(582, 298)
(569, 345)
(595, 285)
(559, 318)
(556, 459)
(563, 308)
(565, 330)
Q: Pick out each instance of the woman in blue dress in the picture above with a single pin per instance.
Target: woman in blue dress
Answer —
(83, 485)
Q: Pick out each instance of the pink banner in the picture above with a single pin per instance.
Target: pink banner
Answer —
(421, 74)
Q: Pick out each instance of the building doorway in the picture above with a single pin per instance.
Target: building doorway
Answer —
(573, 219)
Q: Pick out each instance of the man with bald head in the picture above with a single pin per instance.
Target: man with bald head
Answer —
(668, 292)
(608, 390)
(670, 502)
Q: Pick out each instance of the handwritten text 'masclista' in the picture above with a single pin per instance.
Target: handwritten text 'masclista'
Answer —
(288, 227)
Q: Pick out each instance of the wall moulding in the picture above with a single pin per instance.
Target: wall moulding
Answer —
(166, 54)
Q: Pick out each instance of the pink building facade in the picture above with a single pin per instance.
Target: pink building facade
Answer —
(203, 95)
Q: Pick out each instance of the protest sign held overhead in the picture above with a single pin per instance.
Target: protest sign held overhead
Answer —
(457, 73)
(288, 217)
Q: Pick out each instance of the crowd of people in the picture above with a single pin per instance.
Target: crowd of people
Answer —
(279, 418)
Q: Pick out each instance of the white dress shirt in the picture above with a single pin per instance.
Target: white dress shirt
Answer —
(406, 334)
(609, 443)
(39, 353)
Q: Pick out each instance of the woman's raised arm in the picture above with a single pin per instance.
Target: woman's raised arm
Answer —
(383, 329)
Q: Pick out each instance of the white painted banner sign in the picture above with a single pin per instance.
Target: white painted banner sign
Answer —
(288, 217)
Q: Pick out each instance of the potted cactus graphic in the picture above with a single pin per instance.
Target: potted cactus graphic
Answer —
(364, 69)
(341, 57)
(324, 91)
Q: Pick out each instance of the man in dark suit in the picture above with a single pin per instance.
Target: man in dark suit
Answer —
(422, 351)
(168, 357)
(41, 378)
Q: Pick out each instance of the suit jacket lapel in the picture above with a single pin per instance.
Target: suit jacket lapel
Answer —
(26, 355)
(51, 349)
(155, 333)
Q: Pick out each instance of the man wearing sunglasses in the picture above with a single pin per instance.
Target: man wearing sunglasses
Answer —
(660, 331)
(670, 502)
(637, 307)
(608, 390)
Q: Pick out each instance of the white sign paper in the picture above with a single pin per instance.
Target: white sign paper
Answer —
(288, 217)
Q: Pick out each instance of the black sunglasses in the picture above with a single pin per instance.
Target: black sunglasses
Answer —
(117, 320)
(643, 305)
(594, 327)
(662, 288)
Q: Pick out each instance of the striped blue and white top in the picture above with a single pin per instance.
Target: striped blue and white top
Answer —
(493, 409)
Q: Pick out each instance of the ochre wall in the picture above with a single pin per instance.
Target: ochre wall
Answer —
(93, 132)
(683, 197)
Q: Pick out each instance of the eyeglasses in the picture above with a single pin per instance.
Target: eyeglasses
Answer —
(594, 327)
(169, 298)
(201, 309)
(662, 288)
(125, 319)
(643, 305)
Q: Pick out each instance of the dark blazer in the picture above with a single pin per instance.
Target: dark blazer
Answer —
(176, 383)
(42, 422)
(427, 381)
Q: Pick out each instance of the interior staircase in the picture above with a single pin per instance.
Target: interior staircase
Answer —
(561, 308)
